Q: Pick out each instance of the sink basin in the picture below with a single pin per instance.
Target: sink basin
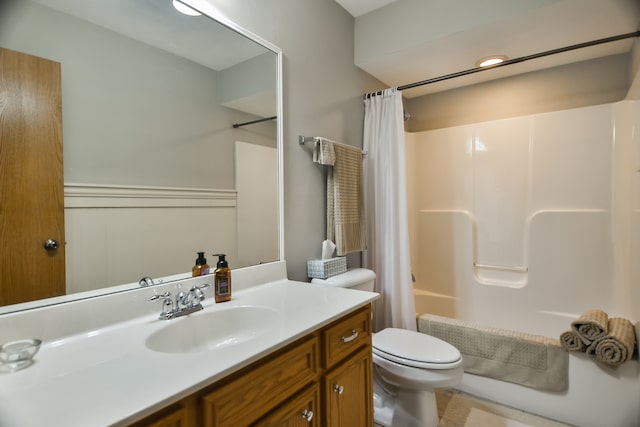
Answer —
(214, 329)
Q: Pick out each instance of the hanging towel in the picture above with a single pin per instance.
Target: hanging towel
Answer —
(617, 346)
(572, 341)
(323, 152)
(591, 325)
(345, 200)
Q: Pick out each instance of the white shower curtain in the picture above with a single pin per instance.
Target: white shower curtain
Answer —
(385, 188)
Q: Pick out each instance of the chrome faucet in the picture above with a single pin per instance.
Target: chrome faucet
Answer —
(183, 304)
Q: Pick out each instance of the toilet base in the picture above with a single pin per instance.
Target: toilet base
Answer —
(404, 408)
(415, 409)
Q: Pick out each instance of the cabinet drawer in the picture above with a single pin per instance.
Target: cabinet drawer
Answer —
(346, 336)
(251, 395)
(301, 411)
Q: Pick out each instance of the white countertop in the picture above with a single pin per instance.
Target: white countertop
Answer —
(108, 377)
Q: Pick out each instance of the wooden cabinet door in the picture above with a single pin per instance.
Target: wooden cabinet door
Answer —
(348, 392)
(255, 393)
(302, 411)
(31, 178)
(182, 414)
(175, 419)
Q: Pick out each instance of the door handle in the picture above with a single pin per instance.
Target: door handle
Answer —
(51, 245)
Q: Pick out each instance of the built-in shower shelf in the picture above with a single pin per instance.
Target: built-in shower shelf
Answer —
(501, 267)
(501, 275)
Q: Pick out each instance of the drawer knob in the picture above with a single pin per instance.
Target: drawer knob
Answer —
(354, 335)
(338, 389)
(307, 415)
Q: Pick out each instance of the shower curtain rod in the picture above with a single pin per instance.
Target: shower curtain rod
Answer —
(514, 61)
(237, 125)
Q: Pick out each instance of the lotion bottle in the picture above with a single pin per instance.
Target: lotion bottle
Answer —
(222, 280)
(201, 268)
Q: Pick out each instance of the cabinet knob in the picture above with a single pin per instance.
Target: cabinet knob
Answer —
(307, 415)
(354, 335)
(338, 389)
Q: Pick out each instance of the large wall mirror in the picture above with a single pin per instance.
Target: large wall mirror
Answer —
(167, 128)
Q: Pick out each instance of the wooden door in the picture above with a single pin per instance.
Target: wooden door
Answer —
(348, 392)
(31, 178)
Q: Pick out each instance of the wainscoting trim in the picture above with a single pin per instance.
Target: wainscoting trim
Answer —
(125, 196)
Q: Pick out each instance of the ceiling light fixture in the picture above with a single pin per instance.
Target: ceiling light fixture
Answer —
(183, 8)
(491, 60)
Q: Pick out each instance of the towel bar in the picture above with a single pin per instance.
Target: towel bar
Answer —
(302, 140)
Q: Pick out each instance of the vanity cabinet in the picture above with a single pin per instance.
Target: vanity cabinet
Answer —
(322, 379)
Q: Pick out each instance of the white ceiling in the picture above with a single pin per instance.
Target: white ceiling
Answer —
(406, 41)
(158, 24)
(360, 7)
(198, 39)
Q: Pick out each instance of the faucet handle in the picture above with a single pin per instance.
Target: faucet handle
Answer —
(201, 287)
(167, 305)
(146, 281)
(196, 294)
(161, 296)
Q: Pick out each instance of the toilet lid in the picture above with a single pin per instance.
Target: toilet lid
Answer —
(414, 348)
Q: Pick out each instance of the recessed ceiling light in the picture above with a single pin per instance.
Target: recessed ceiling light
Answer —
(491, 60)
(183, 8)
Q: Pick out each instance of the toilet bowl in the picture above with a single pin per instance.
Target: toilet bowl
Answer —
(408, 366)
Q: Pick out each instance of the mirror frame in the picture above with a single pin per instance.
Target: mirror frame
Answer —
(210, 11)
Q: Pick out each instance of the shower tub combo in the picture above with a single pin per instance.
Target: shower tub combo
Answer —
(524, 224)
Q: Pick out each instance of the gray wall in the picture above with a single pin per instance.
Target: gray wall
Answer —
(594, 82)
(132, 114)
(323, 92)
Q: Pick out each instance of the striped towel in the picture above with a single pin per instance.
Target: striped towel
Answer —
(617, 346)
(591, 325)
(345, 199)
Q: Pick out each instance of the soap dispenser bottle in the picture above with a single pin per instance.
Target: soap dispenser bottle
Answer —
(222, 280)
(201, 268)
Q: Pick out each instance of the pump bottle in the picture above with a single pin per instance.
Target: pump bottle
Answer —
(222, 280)
(201, 268)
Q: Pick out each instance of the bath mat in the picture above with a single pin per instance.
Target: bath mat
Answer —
(591, 325)
(527, 359)
(480, 418)
(467, 411)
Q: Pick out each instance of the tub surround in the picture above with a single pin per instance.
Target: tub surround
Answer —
(94, 369)
(565, 201)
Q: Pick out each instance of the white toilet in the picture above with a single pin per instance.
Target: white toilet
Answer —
(408, 366)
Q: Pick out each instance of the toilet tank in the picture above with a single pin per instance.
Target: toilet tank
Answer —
(356, 278)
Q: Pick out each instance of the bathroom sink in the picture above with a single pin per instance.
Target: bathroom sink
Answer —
(214, 329)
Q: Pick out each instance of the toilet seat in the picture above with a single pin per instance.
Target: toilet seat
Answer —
(415, 349)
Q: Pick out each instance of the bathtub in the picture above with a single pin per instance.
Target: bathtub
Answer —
(597, 396)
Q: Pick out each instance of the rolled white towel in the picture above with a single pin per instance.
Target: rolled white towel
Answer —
(572, 341)
(591, 325)
(618, 345)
